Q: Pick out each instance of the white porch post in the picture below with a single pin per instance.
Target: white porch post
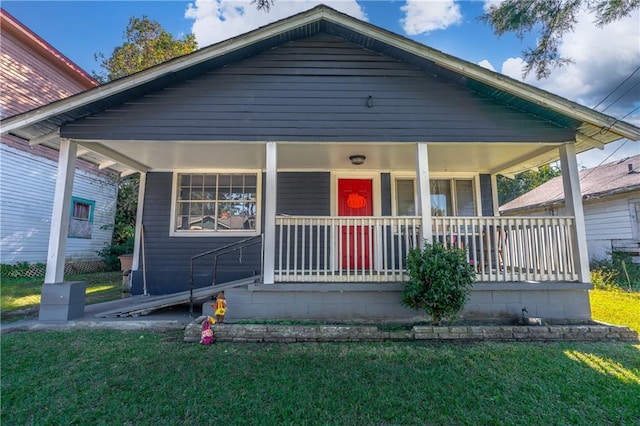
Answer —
(494, 195)
(271, 186)
(138, 236)
(573, 202)
(60, 214)
(424, 191)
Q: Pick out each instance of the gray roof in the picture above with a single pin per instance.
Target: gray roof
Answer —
(597, 182)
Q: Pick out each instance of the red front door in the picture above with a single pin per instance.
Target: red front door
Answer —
(355, 199)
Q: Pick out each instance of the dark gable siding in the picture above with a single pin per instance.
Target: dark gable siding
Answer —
(316, 89)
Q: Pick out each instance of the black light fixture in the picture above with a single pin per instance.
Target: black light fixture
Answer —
(369, 101)
(357, 159)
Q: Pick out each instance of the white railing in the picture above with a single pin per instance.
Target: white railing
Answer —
(374, 249)
(343, 249)
(513, 248)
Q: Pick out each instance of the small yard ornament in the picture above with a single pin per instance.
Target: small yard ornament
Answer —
(220, 307)
(207, 332)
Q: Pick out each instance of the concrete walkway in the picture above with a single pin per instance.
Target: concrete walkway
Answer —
(173, 318)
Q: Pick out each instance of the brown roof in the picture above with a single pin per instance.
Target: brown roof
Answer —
(597, 182)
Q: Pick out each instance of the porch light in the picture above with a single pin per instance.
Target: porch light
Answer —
(357, 159)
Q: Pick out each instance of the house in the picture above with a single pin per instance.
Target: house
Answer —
(336, 146)
(611, 200)
(34, 74)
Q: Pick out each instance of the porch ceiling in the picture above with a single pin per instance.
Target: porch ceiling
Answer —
(443, 157)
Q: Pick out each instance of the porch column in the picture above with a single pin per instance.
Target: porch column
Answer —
(271, 186)
(424, 191)
(494, 195)
(60, 214)
(573, 203)
(138, 236)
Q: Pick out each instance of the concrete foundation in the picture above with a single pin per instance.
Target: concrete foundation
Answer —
(557, 302)
(62, 301)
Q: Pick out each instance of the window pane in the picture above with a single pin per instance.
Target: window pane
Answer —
(81, 210)
(464, 198)
(440, 197)
(405, 197)
(216, 202)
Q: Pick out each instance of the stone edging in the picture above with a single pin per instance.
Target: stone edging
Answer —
(357, 333)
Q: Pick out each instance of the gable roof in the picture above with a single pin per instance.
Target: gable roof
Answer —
(593, 128)
(597, 182)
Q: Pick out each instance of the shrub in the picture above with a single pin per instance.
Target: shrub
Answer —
(619, 273)
(440, 280)
(110, 253)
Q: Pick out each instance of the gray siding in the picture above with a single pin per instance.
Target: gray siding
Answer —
(304, 193)
(316, 89)
(486, 196)
(167, 259)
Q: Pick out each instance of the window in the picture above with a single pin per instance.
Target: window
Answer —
(81, 217)
(449, 197)
(405, 197)
(216, 202)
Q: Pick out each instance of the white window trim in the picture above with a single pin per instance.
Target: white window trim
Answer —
(437, 176)
(216, 234)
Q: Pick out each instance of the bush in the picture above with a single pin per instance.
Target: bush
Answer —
(440, 280)
(619, 273)
(110, 253)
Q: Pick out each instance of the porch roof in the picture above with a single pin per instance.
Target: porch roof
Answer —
(592, 128)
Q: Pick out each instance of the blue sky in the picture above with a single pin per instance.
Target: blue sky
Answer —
(604, 58)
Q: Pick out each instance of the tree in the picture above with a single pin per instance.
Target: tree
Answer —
(263, 4)
(509, 189)
(146, 44)
(552, 19)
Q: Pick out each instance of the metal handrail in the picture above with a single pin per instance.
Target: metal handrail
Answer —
(220, 251)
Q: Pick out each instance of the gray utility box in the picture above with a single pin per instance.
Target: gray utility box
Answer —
(62, 301)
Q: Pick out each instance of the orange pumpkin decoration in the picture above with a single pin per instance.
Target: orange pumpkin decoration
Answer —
(356, 201)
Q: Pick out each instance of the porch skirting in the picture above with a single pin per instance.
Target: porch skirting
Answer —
(556, 302)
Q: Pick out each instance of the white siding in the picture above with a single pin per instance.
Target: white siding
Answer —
(605, 220)
(27, 186)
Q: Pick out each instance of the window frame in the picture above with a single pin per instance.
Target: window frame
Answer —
(452, 177)
(173, 232)
(89, 220)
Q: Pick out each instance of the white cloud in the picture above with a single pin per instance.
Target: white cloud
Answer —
(486, 64)
(423, 16)
(603, 59)
(218, 20)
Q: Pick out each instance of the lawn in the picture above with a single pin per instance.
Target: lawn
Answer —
(20, 297)
(616, 307)
(119, 377)
(111, 377)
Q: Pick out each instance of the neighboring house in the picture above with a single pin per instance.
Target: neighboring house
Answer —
(35, 74)
(611, 199)
(335, 146)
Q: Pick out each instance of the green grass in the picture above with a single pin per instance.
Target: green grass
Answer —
(616, 307)
(20, 297)
(114, 377)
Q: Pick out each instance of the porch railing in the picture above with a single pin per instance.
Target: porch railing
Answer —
(370, 249)
(513, 248)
